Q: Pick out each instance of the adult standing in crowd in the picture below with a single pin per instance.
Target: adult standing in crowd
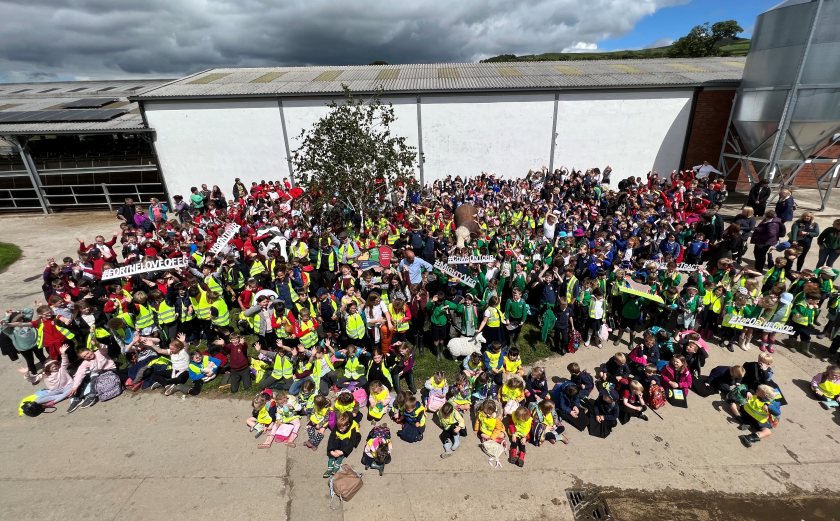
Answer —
(785, 206)
(758, 196)
(766, 236)
(829, 244)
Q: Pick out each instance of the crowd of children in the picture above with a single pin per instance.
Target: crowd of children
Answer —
(286, 305)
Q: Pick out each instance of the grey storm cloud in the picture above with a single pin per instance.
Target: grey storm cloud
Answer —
(67, 39)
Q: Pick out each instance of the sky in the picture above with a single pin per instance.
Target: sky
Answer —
(50, 40)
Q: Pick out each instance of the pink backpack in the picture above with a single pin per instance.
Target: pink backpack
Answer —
(435, 402)
(360, 396)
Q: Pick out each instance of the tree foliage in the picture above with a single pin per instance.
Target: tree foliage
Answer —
(349, 158)
(704, 40)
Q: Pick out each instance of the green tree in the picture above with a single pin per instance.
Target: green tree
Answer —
(349, 158)
(703, 40)
(726, 30)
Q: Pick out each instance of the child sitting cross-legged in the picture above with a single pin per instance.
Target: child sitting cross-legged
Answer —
(379, 401)
(544, 413)
(519, 428)
(488, 423)
(318, 421)
(414, 420)
(453, 428)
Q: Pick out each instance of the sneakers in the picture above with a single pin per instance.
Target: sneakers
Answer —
(156, 385)
(260, 428)
(729, 346)
(74, 404)
(169, 389)
(744, 427)
(446, 455)
(643, 417)
(89, 401)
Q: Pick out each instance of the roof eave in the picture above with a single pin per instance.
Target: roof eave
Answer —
(35, 132)
(716, 83)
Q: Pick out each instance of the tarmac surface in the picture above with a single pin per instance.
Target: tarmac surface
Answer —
(147, 456)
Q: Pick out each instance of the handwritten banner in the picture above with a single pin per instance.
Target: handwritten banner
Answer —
(145, 267)
(471, 259)
(760, 323)
(230, 232)
(455, 274)
(688, 268)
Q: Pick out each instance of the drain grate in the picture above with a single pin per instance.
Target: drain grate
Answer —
(587, 505)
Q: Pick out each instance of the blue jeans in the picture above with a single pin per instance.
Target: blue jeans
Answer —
(827, 257)
(296, 385)
(54, 395)
(451, 442)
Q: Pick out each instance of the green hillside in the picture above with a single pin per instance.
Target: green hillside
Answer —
(730, 48)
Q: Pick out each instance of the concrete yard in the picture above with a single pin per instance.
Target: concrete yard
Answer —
(148, 456)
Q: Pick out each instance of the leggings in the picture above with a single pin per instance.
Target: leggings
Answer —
(30, 354)
(315, 437)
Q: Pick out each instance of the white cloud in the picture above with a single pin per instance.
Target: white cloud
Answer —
(582, 47)
(167, 38)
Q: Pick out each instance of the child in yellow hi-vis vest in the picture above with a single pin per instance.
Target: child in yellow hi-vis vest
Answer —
(519, 428)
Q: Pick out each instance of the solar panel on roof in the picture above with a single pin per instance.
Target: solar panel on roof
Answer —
(77, 89)
(89, 103)
(19, 91)
(106, 89)
(49, 90)
(52, 116)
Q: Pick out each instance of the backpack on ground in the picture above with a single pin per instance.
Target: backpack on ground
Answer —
(655, 396)
(24, 401)
(32, 409)
(345, 483)
(107, 386)
(435, 402)
(494, 451)
(380, 431)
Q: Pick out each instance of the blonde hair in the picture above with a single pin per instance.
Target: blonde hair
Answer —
(737, 371)
(766, 391)
(748, 211)
(766, 358)
(621, 357)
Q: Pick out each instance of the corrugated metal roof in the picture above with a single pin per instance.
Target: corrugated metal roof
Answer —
(449, 77)
(26, 97)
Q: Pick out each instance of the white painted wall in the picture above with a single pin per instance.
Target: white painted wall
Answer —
(215, 141)
(507, 134)
(632, 131)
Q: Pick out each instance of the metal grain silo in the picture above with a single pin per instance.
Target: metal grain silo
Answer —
(787, 111)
